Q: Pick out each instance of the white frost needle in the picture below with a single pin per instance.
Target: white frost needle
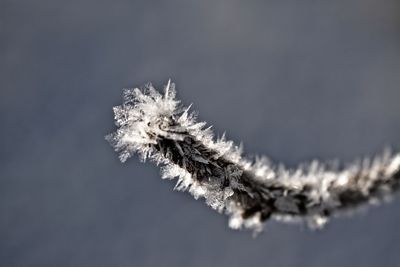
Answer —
(157, 127)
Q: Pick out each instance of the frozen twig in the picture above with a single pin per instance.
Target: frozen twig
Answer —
(156, 126)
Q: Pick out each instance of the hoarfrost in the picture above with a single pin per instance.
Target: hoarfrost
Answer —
(157, 127)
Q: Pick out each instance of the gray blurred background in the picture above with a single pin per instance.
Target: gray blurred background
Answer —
(295, 80)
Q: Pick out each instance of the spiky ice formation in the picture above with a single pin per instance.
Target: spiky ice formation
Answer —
(156, 126)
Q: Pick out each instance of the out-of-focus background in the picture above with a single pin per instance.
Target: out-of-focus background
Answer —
(295, 80)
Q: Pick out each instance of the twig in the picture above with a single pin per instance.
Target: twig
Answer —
(155, 126)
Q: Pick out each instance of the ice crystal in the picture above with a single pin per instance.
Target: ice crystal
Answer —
(157, 127)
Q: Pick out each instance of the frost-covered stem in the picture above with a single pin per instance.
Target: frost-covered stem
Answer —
(155, 126)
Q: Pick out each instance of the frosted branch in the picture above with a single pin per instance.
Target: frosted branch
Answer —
(157, 127)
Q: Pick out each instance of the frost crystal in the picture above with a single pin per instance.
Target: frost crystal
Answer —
(157, 127)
